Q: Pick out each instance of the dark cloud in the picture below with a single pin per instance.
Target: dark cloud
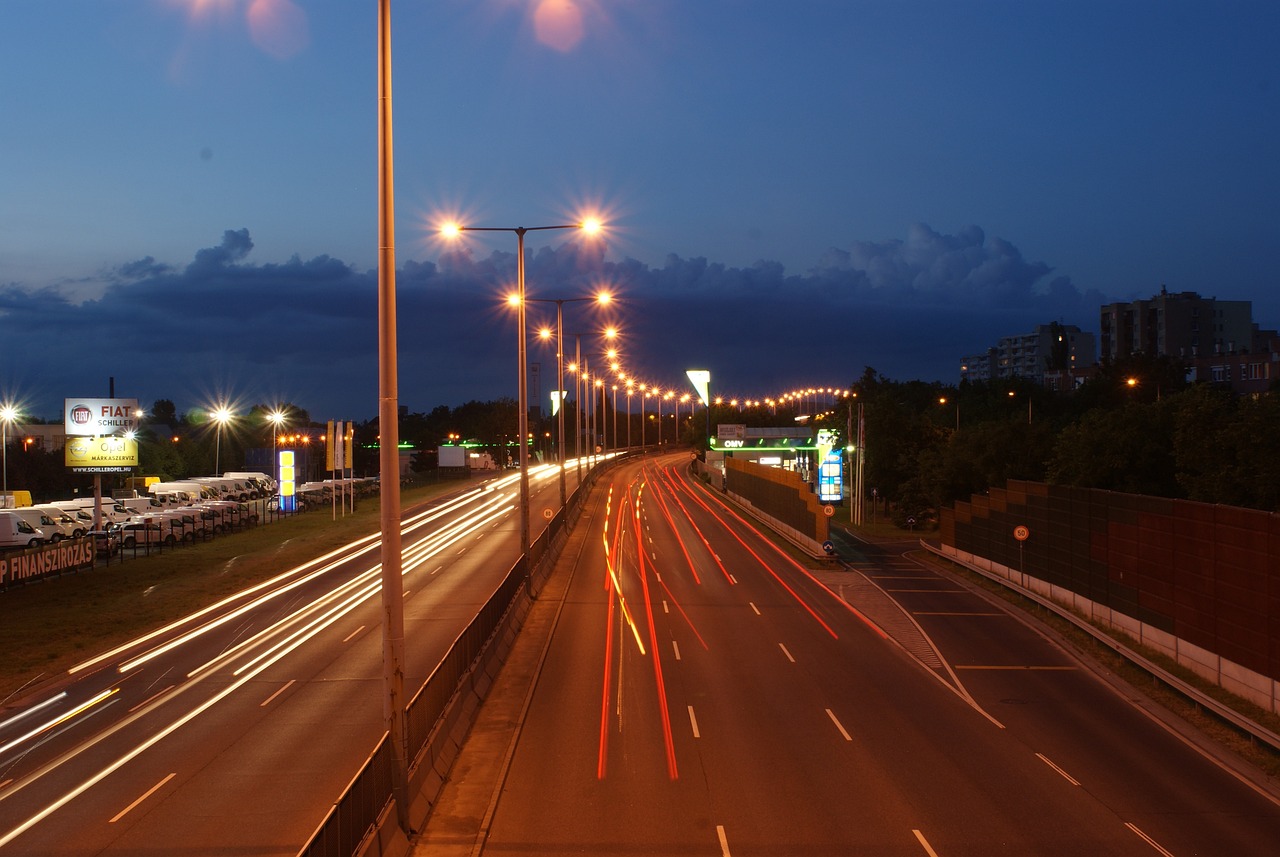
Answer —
(306, 330)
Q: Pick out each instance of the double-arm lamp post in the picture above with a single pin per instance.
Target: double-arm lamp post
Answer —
(518, 299)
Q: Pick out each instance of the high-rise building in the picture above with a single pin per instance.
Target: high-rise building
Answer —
(1183, 325)
(1049, 348)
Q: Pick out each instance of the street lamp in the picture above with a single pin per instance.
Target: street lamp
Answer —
(393, 709)
(453, 229)
(942, 400)
(276, 418)
(631, 389)
(222, 415)
(8, 413)
(601, 298)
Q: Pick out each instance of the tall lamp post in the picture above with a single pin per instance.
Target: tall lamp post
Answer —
(631, 389)
(518, 299)
(8, 413)
(276, 418)
(221, 416)
(393, 707)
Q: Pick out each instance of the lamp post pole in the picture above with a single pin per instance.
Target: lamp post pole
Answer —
(7, 415)
(522, 397)
(644, 394)
(630, 393)
(389, 438)
(601, 425)
(560, 390)
(615, 417)
(659, 421)
(577, 405)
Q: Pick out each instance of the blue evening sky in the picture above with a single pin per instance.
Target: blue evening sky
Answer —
(795, 190)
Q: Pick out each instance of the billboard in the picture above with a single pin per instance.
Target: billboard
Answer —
(94, 417)
(101, 454)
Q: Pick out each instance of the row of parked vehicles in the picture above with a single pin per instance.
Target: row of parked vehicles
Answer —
(171, 512)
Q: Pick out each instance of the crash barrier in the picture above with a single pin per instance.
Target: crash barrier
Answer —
(440, 713)
(103, 548)
(1194, 581)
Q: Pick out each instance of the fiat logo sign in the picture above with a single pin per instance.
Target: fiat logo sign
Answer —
(81, 415)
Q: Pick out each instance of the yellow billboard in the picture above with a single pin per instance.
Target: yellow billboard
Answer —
(101, 454)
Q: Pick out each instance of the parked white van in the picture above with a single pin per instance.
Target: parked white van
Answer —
(142, 505)
(112, 511)
(73, 526)
(44, 521)
(17, 533)
(75, 510)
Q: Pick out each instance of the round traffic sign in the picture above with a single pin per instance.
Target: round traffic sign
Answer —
(828, 510)
(829, 546)
(1021, 533)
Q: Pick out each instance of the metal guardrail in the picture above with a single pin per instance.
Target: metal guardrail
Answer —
(1199, 697)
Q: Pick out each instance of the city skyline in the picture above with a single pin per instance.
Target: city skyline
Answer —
(190, 200)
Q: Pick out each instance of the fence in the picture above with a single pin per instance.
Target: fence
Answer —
(119, 545)
(1195, 580)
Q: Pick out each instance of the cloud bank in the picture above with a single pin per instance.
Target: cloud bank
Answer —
(305, 331)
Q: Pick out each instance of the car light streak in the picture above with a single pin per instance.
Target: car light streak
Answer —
(329, 561)
(22, 715)
(680, 610)
(366, 585)
(415, 523)
(663, 715)
(57, 721)
(701, 535)
(602, 754)
(666, 513)
(246, 673)
(120, 762)
(611, 569)
(805, 604)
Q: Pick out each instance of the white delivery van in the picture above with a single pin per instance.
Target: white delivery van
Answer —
(73, 526)
(17, 533)
(112, 511)
(44, 521)
(142, 505)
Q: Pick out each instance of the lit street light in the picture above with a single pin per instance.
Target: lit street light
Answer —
(589, 225)
(222, 415)
(8, 413)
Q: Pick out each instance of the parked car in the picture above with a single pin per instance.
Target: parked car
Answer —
(107, 540)
(135, 532)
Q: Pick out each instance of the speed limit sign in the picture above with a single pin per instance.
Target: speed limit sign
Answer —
(1021, 533)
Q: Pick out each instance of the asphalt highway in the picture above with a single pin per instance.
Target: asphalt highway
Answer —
(704, 694)
(234, 730)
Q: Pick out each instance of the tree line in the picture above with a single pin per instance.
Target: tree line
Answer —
(1136, 427)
